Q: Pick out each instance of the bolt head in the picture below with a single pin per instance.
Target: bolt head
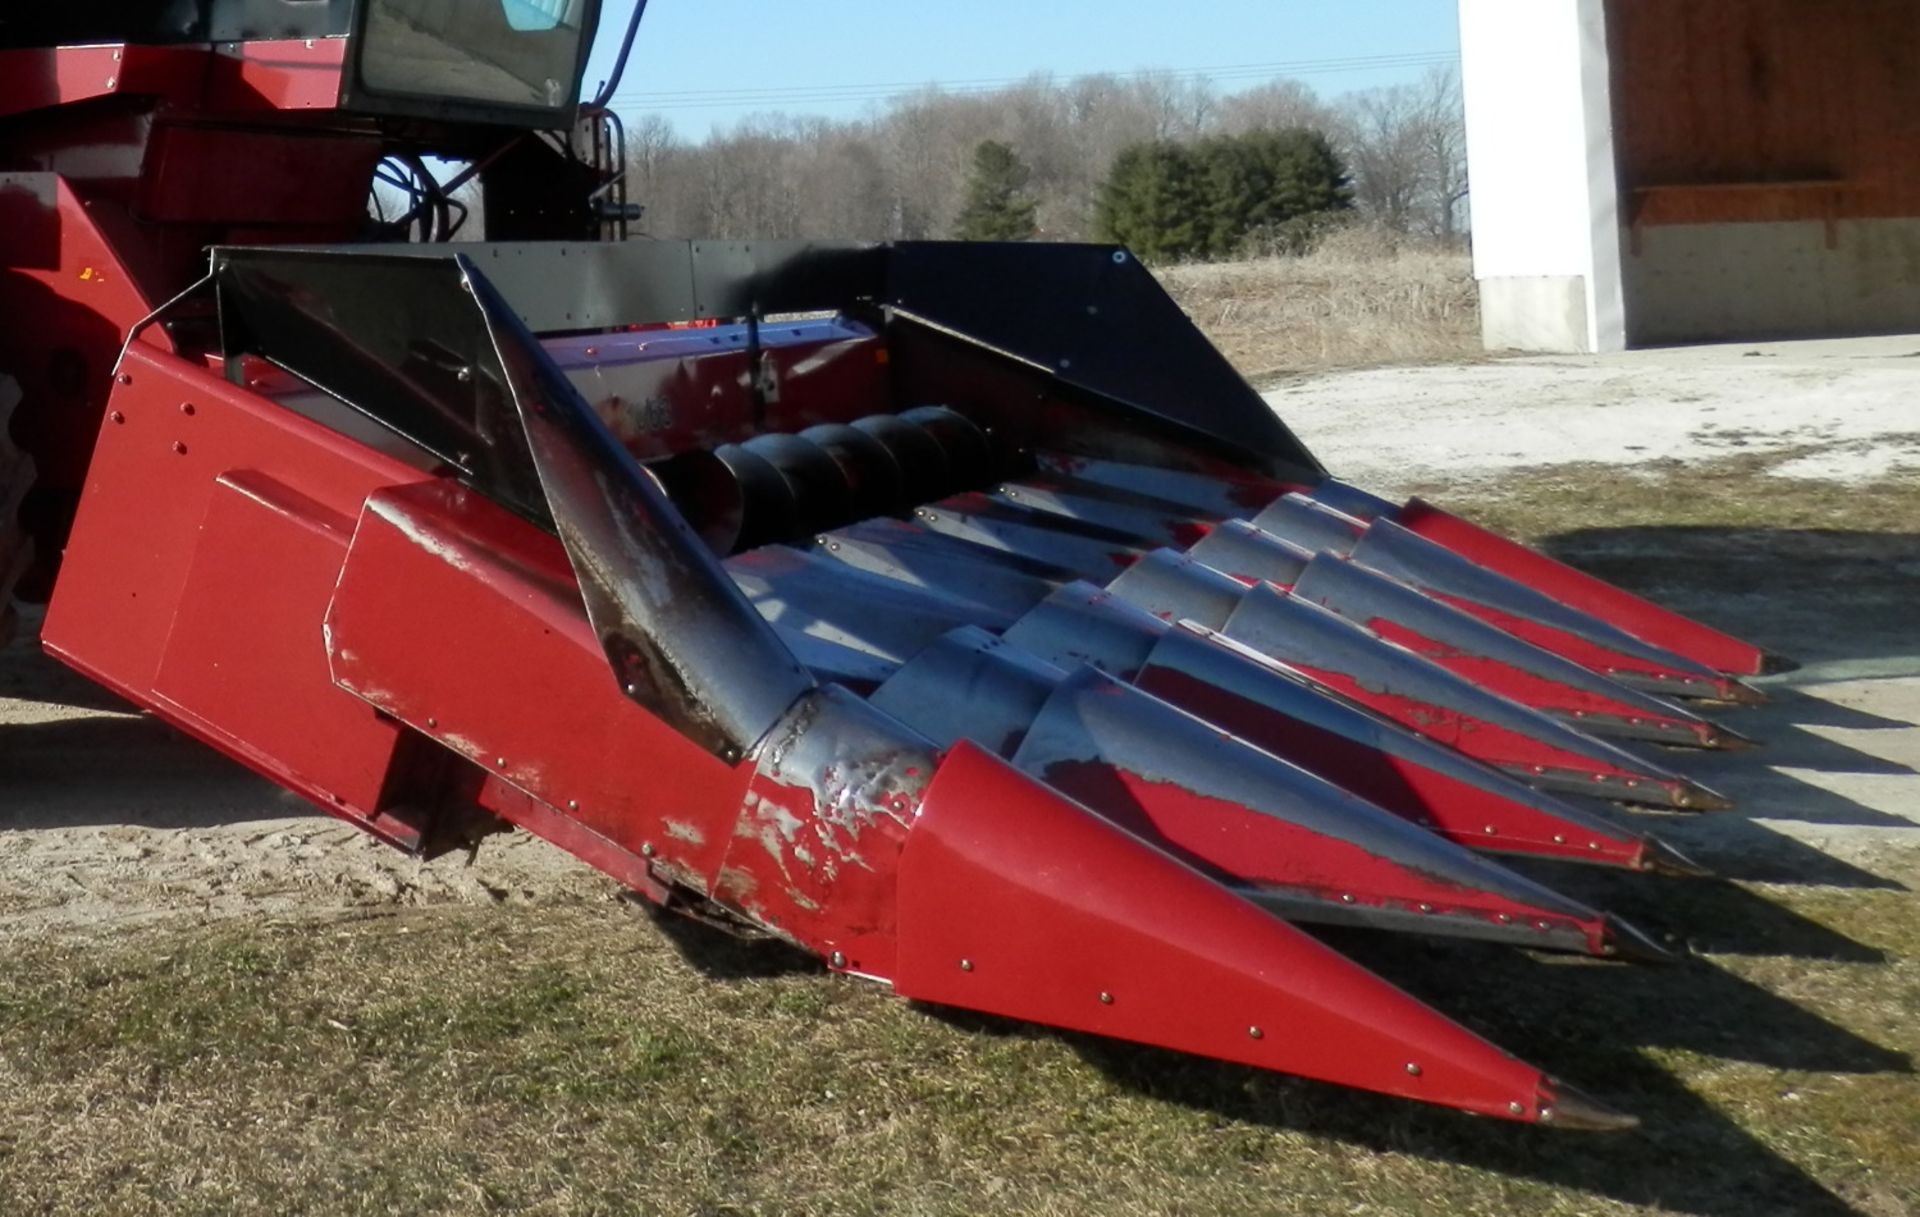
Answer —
(837, 959)
(647, 850)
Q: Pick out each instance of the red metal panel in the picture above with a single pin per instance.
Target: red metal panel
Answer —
(463, 621)
(1452, 808)
(668, 391)
(276, 74)
(1018, 902)
(67, 303)
(1641, 618)
(34, 78)
(289, 177)
(171, 431)
(245, 660)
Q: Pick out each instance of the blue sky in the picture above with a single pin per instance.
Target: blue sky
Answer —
(709, 63)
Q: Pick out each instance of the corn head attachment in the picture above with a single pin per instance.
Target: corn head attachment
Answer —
(953, 613)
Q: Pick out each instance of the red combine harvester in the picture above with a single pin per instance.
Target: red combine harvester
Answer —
(955, 613)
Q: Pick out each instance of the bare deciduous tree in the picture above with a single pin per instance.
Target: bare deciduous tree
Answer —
(901, 171)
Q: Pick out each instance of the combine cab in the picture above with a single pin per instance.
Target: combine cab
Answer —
(954, 613)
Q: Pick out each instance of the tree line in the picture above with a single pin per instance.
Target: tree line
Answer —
(1169, 165)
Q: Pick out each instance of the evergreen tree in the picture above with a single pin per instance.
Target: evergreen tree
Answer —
(1263, 182)
(1154, 203)
(1215, 198)
(997, 207)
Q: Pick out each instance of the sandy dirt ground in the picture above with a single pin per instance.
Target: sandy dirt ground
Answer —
(108, 819)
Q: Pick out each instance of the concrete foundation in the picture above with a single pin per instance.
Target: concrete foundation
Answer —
(1534, 313)
(1707, 282)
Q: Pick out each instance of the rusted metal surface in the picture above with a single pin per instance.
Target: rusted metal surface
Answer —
(815, 851)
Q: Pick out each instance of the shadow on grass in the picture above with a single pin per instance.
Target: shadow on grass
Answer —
(1588, 1021)
(1814, 595)
(1711, 916)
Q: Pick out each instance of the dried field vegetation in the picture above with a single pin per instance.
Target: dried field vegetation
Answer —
(1362, 297)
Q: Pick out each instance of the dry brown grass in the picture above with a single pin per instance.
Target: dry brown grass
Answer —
(1361, 298)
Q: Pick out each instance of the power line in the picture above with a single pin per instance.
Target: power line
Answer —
(827, 94)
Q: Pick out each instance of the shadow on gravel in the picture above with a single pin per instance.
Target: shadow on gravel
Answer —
(1818, 596)
(138, 771)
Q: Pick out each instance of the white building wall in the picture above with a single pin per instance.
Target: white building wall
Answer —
(1546, 216)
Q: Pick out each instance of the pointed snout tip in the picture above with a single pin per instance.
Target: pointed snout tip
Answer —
(1663, 859)
(1774, 664)
(1571, 1109)
(1726, 739)
(1692, 796)
(1628, 943)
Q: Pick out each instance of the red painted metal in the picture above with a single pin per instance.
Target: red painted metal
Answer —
(208, 540)
(1639, 617)
(1539, 692)
(516, 682)
(68, 299)
(1017, 902)
(1467, 814)
(1603, 659)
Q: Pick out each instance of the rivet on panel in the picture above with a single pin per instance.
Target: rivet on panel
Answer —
(180, 446)
(573, 804)
(966, 965)
(1518, 1109)
(647, 850)
(1413, 1069)
(500, 762)
(1346, 897)
(432, 722)
(116, 416)
(186, 407)
(1255, 1033)
(1106, 999)
(837, 959)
